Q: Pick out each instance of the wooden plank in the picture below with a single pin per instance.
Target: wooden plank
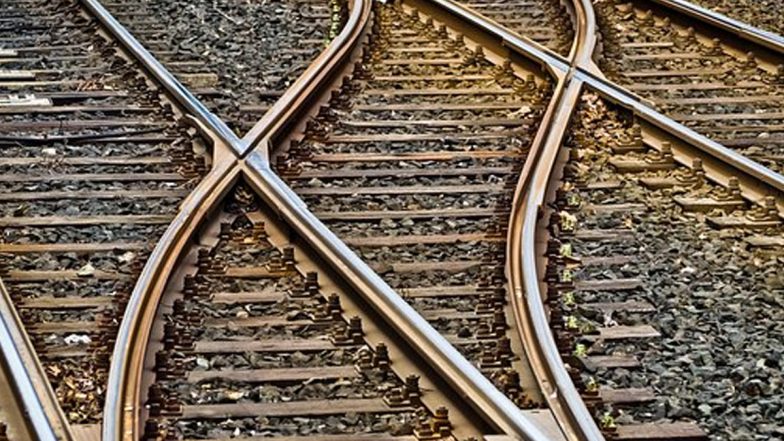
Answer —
(402, 123)
(415, 156)
(602, 185)
(82, 95)
(62, 327)
(670, 56)
(439, 92)
(412, 137)
(437, 107)
(77, 124)
(624, 332)
(586, 261)
(609, 284)
(421, 267)
(391, 241)
(595, 362)
(59, 221)
(107, 194)
(50, 302)
(251, 272)
(51, 275)
(636, 166)
(230, 298)
(614, 208)
(276, 375)
(627, 306)
(648, 44)
(24, 248)
(678, 431)
(707, 204)
(711, 117)
(398, 190)
(627, 395)
(659, 183)
(255, 322)
(92, 177)
(722, 222)
(674, 73)
(766, 241)
(370, 215)
(239, 346)
(443, 291)
(309, 408)
(605, 235)
(721, 100)
(416, 50)
(422, 62)
(452, 314)
(103, 160)
(695, 86)
(342, 173)
(446, 77)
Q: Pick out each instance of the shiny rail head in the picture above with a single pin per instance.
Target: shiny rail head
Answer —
(443, 357)
(172, 85)
(46, 422)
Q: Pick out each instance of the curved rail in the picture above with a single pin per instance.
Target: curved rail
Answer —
(588, 74)
(121, 412)
(35, 396)
(120, 421)
(310, 86)
(431, 345)
(123, 390)
(527, 298)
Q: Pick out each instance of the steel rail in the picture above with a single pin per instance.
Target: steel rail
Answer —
(290, 206)
(431, 345)
(469, 381)
(171, 85)
(524, 279)
(708, 146)
(523, 269)
(123, 390)
(618, 94)
(121, 410)
(769, 40)
(35, 397)
(311, 84)
(483, 396)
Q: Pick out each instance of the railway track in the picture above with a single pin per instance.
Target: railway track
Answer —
(546, 22)
(426, 154)
(765, 15)
(237, 68)
(710, 81)
(94, 165)
(413, 164)
(263, 340)
(636, 239)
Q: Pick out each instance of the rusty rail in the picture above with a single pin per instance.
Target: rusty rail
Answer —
(759, 36)
(312, 86)
(593, 79)
(34, 394)
(121, 410)
(172, 86)
(121, 415)
(123, 391)
(523, 268)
